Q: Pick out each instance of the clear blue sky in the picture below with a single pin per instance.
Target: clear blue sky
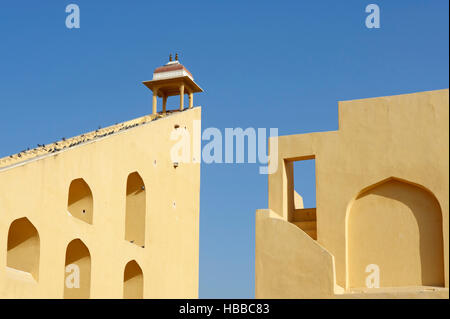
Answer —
(281, 64)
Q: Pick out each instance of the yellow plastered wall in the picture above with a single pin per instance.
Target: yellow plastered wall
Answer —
(38, 189)
(382, 184)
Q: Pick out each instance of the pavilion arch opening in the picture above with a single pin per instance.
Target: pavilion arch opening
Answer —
(135, 210)
(397, 226)
(23, 247)
(133, 281)
(77, 279)
(80, 203)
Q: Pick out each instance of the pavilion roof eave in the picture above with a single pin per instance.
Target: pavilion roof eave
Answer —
(170, 86)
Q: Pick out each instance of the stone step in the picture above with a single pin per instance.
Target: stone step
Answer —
(307, 225)
(312, 233)
(305, 214)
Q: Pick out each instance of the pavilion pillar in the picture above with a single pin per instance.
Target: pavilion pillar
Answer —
(181, 97)
(155, 100)
(164, 104)
(191, 100)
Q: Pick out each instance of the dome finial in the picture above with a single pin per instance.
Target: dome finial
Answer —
(170, 57)
(176, 56)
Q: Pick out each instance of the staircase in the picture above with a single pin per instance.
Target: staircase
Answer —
(306, 220)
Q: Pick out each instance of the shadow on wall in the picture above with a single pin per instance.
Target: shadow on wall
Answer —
(133, 281)
(80, 203)
(396, 225)
(77, 283)
(23, 247)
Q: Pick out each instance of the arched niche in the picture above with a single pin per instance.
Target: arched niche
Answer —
(133, 281)
(80, 203)
(23, 247)
(135, 210)
(397, 226)
(77, 279)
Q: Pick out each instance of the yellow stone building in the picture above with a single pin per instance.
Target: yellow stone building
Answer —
(107, 214)
(381, 225)
(110, 214)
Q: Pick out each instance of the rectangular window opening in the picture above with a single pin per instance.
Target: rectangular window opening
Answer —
(304, 188)
(304, 184)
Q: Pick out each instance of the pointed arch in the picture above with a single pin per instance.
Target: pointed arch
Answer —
(396, 225)
(133, 281)
(80, 203)
(77, 279)
(135, 209)
(23, 249)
